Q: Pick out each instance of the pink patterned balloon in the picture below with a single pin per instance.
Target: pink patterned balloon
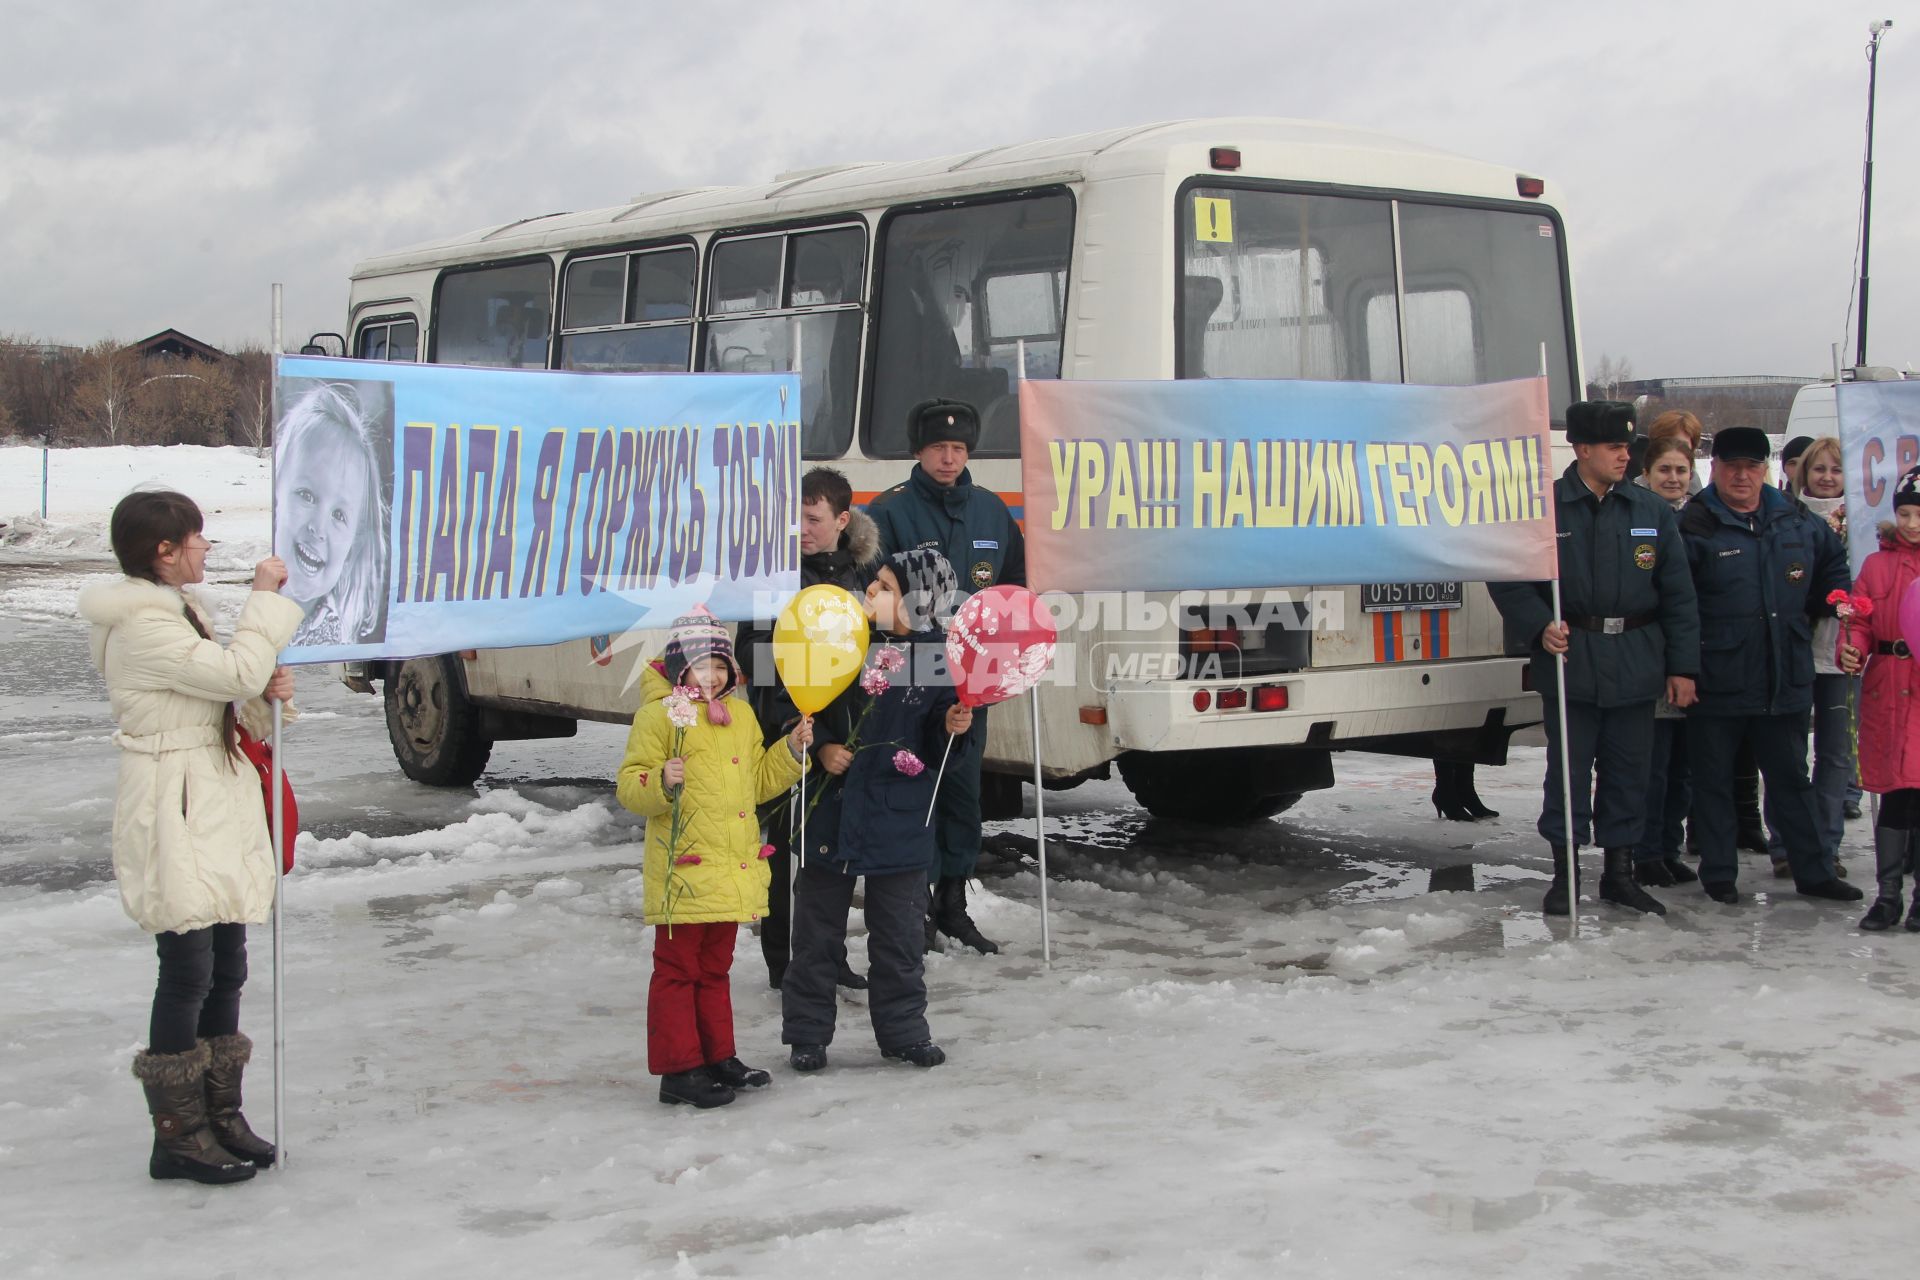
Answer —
(999, 645)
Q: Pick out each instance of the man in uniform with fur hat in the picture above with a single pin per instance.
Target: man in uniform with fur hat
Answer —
(1631, 634)
(938, 507)
(1763, 566)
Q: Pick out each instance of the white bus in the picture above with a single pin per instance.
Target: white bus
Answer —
(1224, 248)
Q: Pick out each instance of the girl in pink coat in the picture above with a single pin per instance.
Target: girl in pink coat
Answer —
(1889, 720)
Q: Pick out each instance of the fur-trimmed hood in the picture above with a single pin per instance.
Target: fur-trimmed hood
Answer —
(861, 538)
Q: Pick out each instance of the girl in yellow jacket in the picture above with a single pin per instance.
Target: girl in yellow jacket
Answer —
(696, 770)
(190, 846)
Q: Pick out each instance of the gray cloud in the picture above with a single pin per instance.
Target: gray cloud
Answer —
(162, 166)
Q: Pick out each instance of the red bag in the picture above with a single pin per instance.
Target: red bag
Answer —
(261, 755)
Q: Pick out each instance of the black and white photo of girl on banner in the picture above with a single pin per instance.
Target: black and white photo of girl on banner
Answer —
(332, 495)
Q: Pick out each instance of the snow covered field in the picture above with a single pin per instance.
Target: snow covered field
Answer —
(1341, 1043)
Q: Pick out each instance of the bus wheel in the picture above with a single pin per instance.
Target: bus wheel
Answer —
(436, 731)
(1225, 787)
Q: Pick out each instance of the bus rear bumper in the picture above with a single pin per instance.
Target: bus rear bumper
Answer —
(1327, 708)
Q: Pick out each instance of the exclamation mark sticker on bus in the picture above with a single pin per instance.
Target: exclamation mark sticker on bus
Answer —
(1212, 220)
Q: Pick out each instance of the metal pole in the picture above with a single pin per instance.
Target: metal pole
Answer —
(1571, 869)
(279, 878)
(1875, 31)
(45, 463)
(1040, 828)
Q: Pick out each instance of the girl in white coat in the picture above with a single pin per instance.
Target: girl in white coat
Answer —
(191, 851)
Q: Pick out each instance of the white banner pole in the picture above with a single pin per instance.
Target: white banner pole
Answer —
(1571, 867)
(1039, 788)
(279, 844)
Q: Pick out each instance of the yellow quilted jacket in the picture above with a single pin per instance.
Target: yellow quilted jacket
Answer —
(729, 773)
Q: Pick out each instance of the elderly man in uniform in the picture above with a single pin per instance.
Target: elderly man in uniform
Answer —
(1631, 634)
(1763, 566)
(938, 506)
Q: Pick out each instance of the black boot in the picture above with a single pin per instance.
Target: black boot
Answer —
(950, 913)
(849, 979)
(1750, 832)
(1555, 903)
(1655, 872)
(1447, 800)
(1469, 797)
(808, 1057)
(697, 1087)
(226, 1063)
(1890, 864)
(736, 1074)
(924, 1054)
(1680, 871)
(1618, 887)
(183, 1145)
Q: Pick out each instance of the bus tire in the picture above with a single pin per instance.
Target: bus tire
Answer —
(437, 732)
(1216, 788)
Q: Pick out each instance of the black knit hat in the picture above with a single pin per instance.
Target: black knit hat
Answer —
(932, 421)
(928, 586)
(1742, 444)
(1794, 448)
(1600, 422)
(1907, 492)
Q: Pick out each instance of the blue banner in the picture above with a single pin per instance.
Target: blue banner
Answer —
(423, 509)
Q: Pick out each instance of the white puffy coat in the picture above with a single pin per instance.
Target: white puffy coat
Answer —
(190, 843)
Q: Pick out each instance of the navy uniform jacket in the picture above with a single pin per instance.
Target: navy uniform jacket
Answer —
(1620, 557)
(1761, 578)
(872, 820)
(970, 526)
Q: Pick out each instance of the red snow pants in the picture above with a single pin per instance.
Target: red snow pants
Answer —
(690, 1001)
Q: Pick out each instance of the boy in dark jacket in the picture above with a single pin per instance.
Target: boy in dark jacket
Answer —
(871, 821)
(838, 546)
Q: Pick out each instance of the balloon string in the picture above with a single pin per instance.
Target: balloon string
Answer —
(936, 781)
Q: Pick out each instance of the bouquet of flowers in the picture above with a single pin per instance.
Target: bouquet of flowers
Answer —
(682, 713)
(887, 661)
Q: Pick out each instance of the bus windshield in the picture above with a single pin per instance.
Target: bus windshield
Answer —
(1292, 285)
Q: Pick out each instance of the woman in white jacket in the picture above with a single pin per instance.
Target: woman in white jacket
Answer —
(191, 851)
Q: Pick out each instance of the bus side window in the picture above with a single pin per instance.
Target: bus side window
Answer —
(963, 291)
(497, 316)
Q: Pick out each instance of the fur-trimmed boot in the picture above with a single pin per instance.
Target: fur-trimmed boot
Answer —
(227, 1061)
(183, 1145)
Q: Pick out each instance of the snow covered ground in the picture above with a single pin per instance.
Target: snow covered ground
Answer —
(1340, 1043)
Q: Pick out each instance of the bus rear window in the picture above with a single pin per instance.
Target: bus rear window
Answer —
(1281, 285)
(498, 316)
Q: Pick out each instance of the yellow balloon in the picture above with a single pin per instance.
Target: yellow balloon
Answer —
(819, 645)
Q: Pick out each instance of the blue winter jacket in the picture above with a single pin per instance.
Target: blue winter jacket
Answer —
(968, 525)
(1761, 579)
(873, 819)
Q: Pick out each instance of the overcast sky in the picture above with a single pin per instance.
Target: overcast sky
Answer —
(162, 165)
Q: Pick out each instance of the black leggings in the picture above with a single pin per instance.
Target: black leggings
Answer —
(198, 996)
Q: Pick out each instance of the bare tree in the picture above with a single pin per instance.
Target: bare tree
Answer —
(102, 393)
(1608, 373)
(253, 398)
(36, 382)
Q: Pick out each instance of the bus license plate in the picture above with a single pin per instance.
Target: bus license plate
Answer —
(1396, 597)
